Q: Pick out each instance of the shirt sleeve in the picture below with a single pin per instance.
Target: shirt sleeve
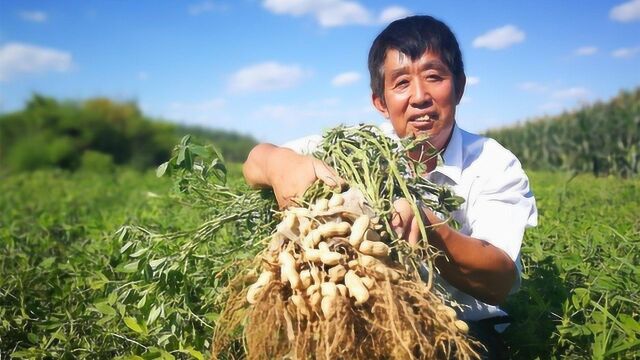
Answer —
(504, 208)
(304, 145)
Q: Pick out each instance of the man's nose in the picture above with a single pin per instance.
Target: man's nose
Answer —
(420, 94)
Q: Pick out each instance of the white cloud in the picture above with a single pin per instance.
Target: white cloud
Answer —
(499, 38)
(204, 7)
(333, 13)
(328, 13)
(312, 114)
(626, 12)
(205, 112)
(585, 51)
(19, 58)
(346, 78)
(343, 13)
(392, 13)
(265, 77)
(575, 92)
(532, 86)
(143, 75)
(473, 80)
(626, 53)
(551, 106)
(34, 16)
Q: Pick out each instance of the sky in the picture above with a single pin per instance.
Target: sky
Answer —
(282, 69)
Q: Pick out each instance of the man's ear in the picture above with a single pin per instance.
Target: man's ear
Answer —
(461, 82)
(380, 105)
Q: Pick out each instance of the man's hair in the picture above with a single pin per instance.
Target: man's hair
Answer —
(413, 36)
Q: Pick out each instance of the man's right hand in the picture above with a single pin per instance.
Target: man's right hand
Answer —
(289, 174)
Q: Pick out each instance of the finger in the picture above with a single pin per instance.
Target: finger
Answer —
(403, 216)
(327, 174)
(396, 224)
(414, 232)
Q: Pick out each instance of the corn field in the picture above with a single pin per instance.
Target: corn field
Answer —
(602, 139)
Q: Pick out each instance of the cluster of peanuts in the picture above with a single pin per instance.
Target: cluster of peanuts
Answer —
(334, 248)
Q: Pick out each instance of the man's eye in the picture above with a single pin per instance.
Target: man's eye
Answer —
(434, 77)
(401, 83)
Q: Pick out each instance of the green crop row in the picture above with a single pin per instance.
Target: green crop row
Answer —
(603, 138)
(581, 291)
(71, 287)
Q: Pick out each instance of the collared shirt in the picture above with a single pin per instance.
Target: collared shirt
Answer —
(498, 203)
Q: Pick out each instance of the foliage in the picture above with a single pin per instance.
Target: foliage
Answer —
(580, 296)
(602, 139)
(49, 133)
(70, 289)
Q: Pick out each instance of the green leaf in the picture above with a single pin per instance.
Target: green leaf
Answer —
(185, 140)
(132, 357)
(133, 324)
(162, 169)
(113, 296)
(130, 267)
(125, 247)
(142, 302)
(33, 338)
(46, 263)
(105, 309)
(139, 253)
(181, 155)
(629, 323)
(164, 339)
(153, 314)
(157, 262)
(104, 320)
(97, 284)
(193, 352)
(199, 150)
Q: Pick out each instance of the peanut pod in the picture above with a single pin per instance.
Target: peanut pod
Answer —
(288, 269)
(360, 226)
(336, 200)
(255, 289)
(356, 288)
(374, 248)
(328, 230)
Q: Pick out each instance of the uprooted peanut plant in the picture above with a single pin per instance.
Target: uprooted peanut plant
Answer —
(334, 281)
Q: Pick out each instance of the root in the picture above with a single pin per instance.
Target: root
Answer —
(400, 321)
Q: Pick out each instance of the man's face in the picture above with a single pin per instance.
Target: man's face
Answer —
(420, 96)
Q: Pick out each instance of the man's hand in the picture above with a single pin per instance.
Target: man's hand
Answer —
(289, 174)
(405, 223)
(292, 174)
(472, 265)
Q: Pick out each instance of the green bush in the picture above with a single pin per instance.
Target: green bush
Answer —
(51, 133)
(97, 162)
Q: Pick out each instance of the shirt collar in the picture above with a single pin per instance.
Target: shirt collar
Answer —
(451, 164)
(450, 161)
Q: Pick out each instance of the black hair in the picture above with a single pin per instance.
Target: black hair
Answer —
(413, 36)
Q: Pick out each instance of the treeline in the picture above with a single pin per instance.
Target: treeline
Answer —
(603, 138)
(97, 134)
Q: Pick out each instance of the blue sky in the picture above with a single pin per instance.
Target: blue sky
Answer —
(281, 69)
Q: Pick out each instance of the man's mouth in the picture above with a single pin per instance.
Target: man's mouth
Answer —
(423, 118)
(423, 122)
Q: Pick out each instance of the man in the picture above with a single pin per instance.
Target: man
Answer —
(417, 80)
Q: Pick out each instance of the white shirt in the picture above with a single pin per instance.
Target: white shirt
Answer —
(498, 203)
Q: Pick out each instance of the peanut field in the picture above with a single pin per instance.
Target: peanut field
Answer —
(84, 272)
